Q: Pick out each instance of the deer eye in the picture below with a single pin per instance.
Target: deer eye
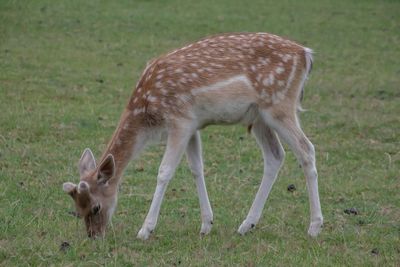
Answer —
(96, 209)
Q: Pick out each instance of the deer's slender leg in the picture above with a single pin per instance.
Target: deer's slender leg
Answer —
(273, 155)
(289, 130)
(176, 143)
(194, 157)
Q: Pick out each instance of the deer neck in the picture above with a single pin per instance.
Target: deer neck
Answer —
(125, 144)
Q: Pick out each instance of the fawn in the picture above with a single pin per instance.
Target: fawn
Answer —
(255, 79)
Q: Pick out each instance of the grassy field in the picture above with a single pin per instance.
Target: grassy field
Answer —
(67, 69)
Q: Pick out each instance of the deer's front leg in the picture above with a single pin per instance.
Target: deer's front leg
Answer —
(177, 141)
(195, 161)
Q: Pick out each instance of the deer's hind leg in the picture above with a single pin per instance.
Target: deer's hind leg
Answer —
(273, 155)
(287, 126)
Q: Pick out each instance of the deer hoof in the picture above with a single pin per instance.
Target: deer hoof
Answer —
(315, 228)
(245, 227)
(144, 234)
(206, 228)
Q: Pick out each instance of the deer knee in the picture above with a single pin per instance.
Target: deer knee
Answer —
(196, 173)
(307, 153)
(164, 174)
(307, 160)
(196, 168)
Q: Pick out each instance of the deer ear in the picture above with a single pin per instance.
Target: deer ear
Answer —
(106, 169)
(69, 188)
(87, 162)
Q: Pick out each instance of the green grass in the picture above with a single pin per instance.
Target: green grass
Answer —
(67, 70)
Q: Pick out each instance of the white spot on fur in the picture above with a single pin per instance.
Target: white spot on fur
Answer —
(259, 77)
(269, 80)
(152, 98)
(279, 70)
(216, 65)
(163, 104)
(292, 73)
(158, 85)
(160, 71)
(183, 80)
(171, 83)
(263, 60)
(286, 58)
(137, 111)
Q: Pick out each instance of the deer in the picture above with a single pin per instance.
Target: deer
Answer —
(253, 79)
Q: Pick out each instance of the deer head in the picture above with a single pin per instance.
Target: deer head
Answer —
(95, 198)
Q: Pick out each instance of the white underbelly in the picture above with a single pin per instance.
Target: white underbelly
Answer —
(226, 102)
